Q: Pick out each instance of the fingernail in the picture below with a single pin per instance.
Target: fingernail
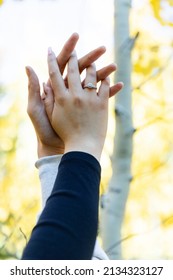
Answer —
(103, 48)
(45, 88)
(49, 50)
(73, 53)
(121, 83)
(114, 65)
(108, 79)
(27, 70)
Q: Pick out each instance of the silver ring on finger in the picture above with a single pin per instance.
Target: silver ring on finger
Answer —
(90, 86)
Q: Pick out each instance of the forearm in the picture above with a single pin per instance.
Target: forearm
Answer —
(67, 227)
(48, 169)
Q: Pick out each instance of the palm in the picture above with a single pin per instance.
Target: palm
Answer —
(45, 132)
(36, 110)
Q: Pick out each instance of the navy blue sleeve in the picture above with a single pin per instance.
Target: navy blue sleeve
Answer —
(67, 227)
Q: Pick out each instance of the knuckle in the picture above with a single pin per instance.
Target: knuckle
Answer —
(90, 59)
(92, 71)
(61, 100)
(32, 109)
(30, 87)
(71, 70)
(103, 106)
(78, 101)
(29, 110)
(53, 73)
(92, 67)
(92, 74)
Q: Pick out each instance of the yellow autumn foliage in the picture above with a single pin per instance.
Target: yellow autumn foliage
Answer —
(158, 8)
(149, 211)
(148, 225)
(156, 5)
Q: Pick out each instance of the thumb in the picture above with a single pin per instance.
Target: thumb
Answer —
(48, 99)
(33, 82)
(33, 89)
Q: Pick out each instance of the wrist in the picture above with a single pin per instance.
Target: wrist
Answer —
(46, 150)
(90, 147)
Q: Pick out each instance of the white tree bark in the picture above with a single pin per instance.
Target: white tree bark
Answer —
(113, 206)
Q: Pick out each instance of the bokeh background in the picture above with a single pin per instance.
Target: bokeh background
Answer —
(27, 29)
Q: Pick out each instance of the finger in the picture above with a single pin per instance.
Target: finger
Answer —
(34, 97)
(48, 99)
(103, 92)
(106, 71)
(88, 59)
(90, 77)
(56, 79)
(33, 84)
(115, 89)
(66, 51)
(73, 75)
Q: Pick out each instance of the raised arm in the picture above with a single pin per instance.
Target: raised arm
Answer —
(67, 228)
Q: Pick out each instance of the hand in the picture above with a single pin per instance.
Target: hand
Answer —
(79, 116)
(48, 141)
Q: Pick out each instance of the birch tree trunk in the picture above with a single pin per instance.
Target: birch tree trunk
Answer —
(115, 200)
